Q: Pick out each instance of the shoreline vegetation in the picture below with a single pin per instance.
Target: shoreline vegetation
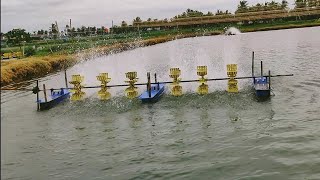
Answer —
(56, 54)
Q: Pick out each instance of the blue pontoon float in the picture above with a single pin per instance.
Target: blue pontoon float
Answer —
(261, 84)
(153, 92)
(56, 97)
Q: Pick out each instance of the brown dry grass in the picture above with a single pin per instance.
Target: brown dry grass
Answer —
(28, 68)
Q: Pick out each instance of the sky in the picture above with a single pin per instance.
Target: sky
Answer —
(33, 15)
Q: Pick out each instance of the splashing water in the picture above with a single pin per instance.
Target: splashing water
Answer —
(232, 31)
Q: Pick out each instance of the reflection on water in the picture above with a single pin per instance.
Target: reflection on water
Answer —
(221, 135)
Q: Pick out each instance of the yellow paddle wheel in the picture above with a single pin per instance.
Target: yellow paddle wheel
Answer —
(232, 70)
(77, 94)
(176, 89)
(203, 88)
(131, 91)
(104, 79)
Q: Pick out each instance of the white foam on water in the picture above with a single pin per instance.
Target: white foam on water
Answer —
(233, 31)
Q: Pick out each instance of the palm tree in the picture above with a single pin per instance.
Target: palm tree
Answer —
(209, 13)
(220, 12)
(124, 24)
(284, 4)
(312, 3)
(300, 3)
(242, 7)
(266, 6)
(137, 19)
(259, 7)
(273, 5)
(53, 28)
(83, 30)
(190, 11)
(40, 32)
(243, 4)
(252, 9)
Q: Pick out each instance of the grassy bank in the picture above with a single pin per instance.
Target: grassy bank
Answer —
(32, 67)
(279, 26)
(69, 53)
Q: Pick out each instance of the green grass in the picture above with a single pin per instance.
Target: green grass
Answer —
(279, 25)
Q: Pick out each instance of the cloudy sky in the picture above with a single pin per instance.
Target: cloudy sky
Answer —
(39, 14)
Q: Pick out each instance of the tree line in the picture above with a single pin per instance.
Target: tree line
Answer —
(80, 31)
(19, 36)
(243, 7)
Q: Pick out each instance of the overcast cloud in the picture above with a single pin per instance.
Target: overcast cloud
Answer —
(39, 14)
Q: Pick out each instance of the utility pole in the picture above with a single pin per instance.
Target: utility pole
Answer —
(57, 29)
(111, 27)
(24, 42)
